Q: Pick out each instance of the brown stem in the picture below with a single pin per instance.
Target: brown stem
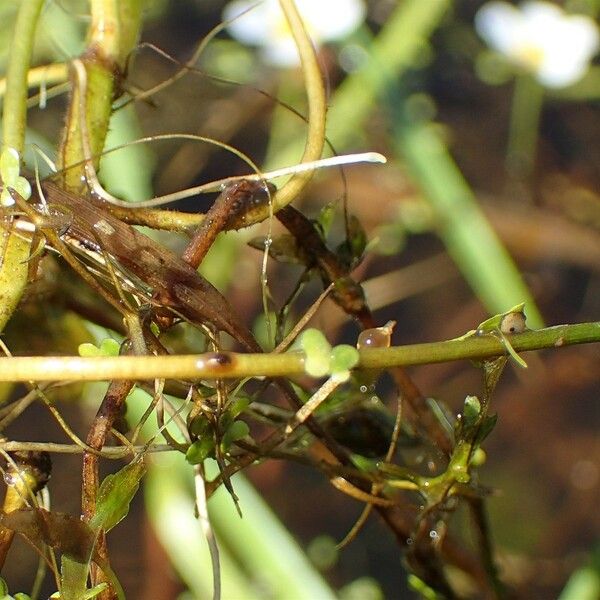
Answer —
(109, 411)
(349, 295)
(230, 205)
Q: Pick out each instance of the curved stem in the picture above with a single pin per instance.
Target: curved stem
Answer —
(317, 109)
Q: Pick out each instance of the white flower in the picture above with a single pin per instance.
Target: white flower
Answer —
(540, 38)
(265, 25)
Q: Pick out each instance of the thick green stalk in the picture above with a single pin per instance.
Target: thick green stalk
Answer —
(113, 32)
(233, 365)
(317, 108)
(526, 110)
(14, 268)
(15, 102)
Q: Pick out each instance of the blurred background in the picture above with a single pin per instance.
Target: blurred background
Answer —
(489, 198)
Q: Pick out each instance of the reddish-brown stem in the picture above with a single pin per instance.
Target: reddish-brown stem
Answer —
(107, 414)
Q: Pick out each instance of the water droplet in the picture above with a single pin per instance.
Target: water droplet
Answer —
(364, 389)
(433, 534)
(409, 541)
(377, 337)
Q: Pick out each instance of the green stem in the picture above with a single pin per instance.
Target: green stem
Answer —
(526, 110)
(317, 109)
(14, 268)
(234, 365)
(14, 115)
(113, 31)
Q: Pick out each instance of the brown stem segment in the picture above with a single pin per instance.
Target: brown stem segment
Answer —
(349, 295)
(107, 414)
(230, 205)
(176, 285)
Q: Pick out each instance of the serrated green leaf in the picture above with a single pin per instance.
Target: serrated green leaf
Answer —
(115, 495)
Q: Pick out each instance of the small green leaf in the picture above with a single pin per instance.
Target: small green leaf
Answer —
(199, 427)
(493, 323)
(283, 248)
(318, 352)
(325, 218)
(512, 352)
(200, 450)
(87, 349)
(115, 495)
(312, 340)
(323, 552)
(479, 457)
(343, 358)
(239, 405)
(351, 250)
(236, 431)
(9, 173)
(95, 591)
(108, 347)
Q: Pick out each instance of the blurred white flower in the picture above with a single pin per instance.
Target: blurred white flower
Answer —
(265, 25)
(540, 38)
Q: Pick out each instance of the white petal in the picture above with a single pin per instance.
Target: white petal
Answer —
(541, 38)
(541, 13)
(501, 25)
(332, 19)
(555, 75)
(324, 19)
(249, 21)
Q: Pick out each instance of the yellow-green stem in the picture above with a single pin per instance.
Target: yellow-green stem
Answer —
(13, 272)
(317, 108)
(232, 365)
(15, 109)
